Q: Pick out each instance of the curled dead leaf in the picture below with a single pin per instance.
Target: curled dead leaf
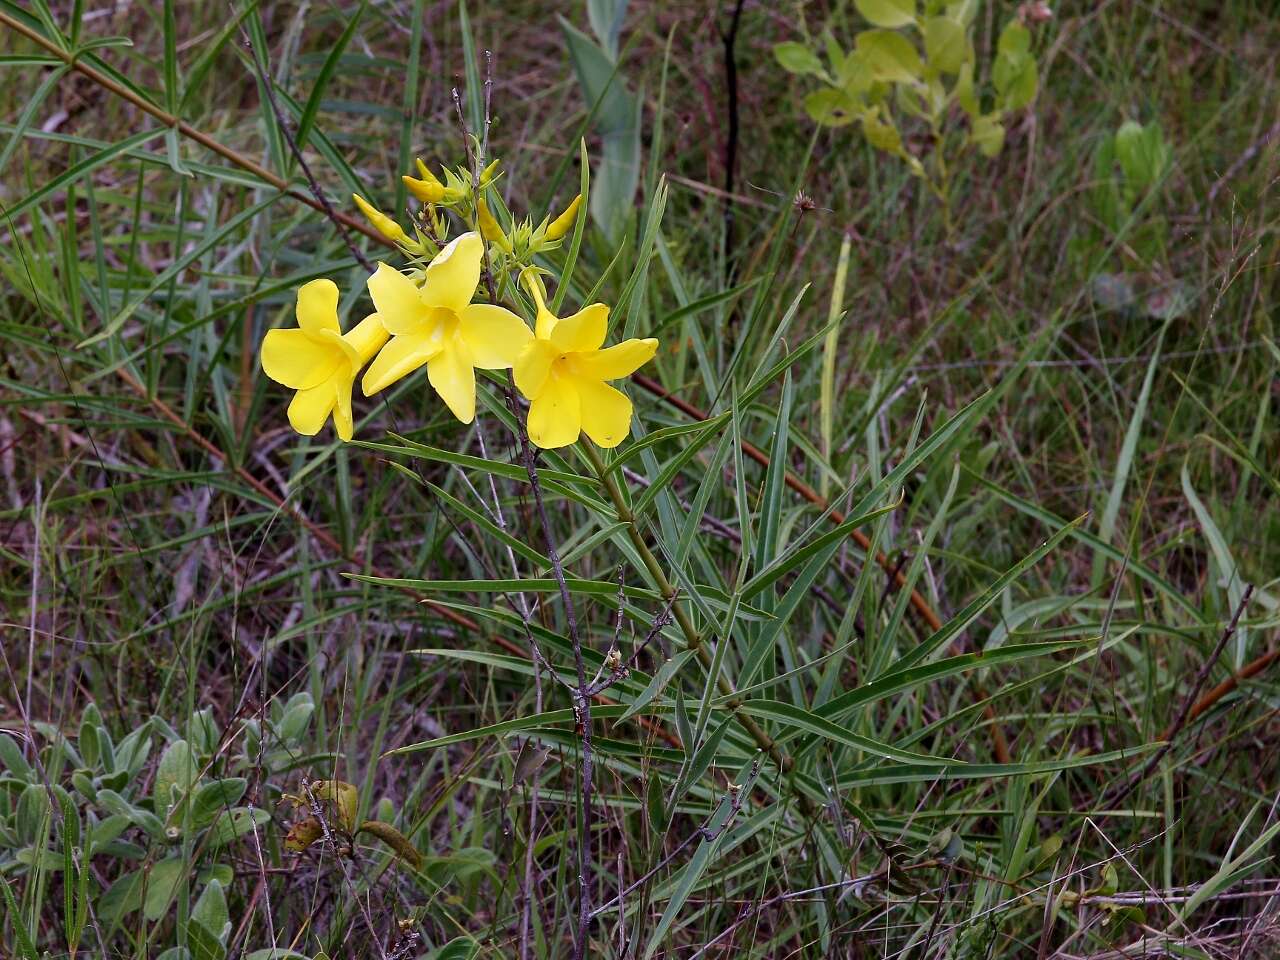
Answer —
(303, 834)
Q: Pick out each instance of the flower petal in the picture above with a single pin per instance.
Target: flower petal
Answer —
(583, 330)
(533, 366)
(366, 338)
(555, 417)
(311, 408)
(620, 360)
(606, 412)
(397, 299)
(494, 335)
(400, 357)
(453, 274)
(546, 320)
(296, 359)
(318, 306)
(343, 419)
(451, 373)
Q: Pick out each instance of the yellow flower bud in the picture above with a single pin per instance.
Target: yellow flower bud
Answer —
(381, 222)
(564, 223)
(428, 191)
(489, 228)
(425, 173)
(488, 173)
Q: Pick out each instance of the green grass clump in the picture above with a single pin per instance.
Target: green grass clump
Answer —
(958, 612)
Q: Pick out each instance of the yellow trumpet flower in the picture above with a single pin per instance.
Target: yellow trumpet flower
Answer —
(438, 325)
(564, 223)
(319, 361)
(381, 222)
(562, 372)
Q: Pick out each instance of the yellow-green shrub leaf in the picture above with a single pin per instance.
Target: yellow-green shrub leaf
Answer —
(830, 107)
(963, 91)
(890, 56)
(881, 133)
(945, 44)
(854, 76)
(963, 11)
(797, 58)
(835, 52)
(344, 797)
(1016, 80)
(887, 13)
(1014, 39)
(988, 134)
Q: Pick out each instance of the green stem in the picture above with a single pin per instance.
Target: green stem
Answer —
(693, 639)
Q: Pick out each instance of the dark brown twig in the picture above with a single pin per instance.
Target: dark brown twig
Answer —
(1185, 711)
(730, 40)
(1250, 669)
(662, 620)
(260, 68)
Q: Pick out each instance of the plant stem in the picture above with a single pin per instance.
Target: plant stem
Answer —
(693, 639)
(581, 694)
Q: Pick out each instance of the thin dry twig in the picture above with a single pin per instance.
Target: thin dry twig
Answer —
(264, 78)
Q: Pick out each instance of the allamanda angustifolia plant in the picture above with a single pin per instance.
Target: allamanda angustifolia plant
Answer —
(730, 726)
(470, 296)
(917, 66)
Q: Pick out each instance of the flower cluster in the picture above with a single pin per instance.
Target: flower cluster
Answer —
(427, 318)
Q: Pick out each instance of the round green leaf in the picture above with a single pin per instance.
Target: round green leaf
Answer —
(235, 823)
(461, 948)
(890, 56)
(887, 13)
(122, 897)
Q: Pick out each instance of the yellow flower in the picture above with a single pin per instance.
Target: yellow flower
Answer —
(564, 223)
(562, 372)
(319, 361)
(381, 222)
(438, 325)
(429, 189)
